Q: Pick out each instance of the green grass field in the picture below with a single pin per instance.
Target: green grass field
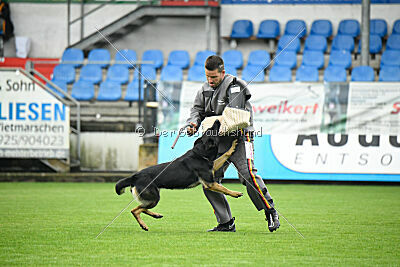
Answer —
(56, 224)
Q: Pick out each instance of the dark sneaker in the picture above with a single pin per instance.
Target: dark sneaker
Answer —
(272, 218)
(225, 227)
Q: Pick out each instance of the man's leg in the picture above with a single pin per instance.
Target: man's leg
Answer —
(255, 186)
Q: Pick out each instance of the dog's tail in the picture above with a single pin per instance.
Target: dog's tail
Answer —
(123, 183)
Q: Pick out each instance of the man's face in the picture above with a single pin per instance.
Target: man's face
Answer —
(214, 77)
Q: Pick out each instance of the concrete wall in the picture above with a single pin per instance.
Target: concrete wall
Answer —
(46, 25)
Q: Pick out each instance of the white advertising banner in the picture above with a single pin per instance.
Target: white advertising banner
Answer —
(287, 107)
(336, 153)
(33, 123)
(374, 108)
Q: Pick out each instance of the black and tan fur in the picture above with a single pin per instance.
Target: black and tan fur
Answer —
(197, 166)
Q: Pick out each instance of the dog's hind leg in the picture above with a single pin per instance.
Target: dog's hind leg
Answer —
(219, 162)
(152, 214)
(136, 213)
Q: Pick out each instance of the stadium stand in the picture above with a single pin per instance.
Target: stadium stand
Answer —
(109, 90)
(316, 42)
(61, 84)
(73, 54)
(268, 29)
(230, 70)
(233, 58)
(99, 54)
(91, 73)
(179, 58)
(390, 58)
(259, 58)
(378, 27)
(335, 74)
(148, 71)
(375, 44)
(296, 27)
(253, 73)
(396, 27)
(389, 74)
(286, 59)
(289, 42)
(201, 57)
(132, 90)
(349, 27)
(307, 74)
(171, 73)
(64, 72)
(242, 29)
(363, 74)
(154, 55)
(280, 74)
(83, 90)
(126, 57)
(196, 74)
(321, 27)
(313, 58)
(393, 42)
(340, 58)
(118, 73)
(343, 42)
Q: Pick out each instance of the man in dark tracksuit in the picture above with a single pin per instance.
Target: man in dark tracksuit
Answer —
(219, 91)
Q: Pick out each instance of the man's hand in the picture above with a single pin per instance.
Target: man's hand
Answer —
(191, 130)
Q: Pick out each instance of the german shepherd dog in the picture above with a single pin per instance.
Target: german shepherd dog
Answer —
(197, 166)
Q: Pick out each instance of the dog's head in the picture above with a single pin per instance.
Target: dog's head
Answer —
(207, 144)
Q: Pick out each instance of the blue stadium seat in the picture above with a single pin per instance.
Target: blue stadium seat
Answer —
(91, 73)
(289, 42)
(99, 54)
(73, 54)
(268, 29)
(132, 91)
(196, 74)
(349, 27)
(280, 74)
(253, 73)
(378, 27)
(154, 55)
(390, 58)
(109, 91)
(313, 58)
(296, 27)
(363, 74)
(64, 72)
(233, 58)
(375, 44)
(259, 58)
(171, 73)
(389, 74)
(242, 29)
(396, 27)
(148, 71)
(126, 57)
(286, 59)
(201, 57)
(393, 43)
(343, 42)
(118, 73)
(82, 90)
(335, 74)
(230, 70)
(321, 27)
(61, 84)
(179, 58)
(307, 74)
(341, 58)
(316, 42)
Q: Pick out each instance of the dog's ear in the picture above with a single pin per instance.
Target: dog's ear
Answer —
(216, 125)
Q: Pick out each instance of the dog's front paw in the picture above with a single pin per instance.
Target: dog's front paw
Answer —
(236, 194)
(232, 149)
